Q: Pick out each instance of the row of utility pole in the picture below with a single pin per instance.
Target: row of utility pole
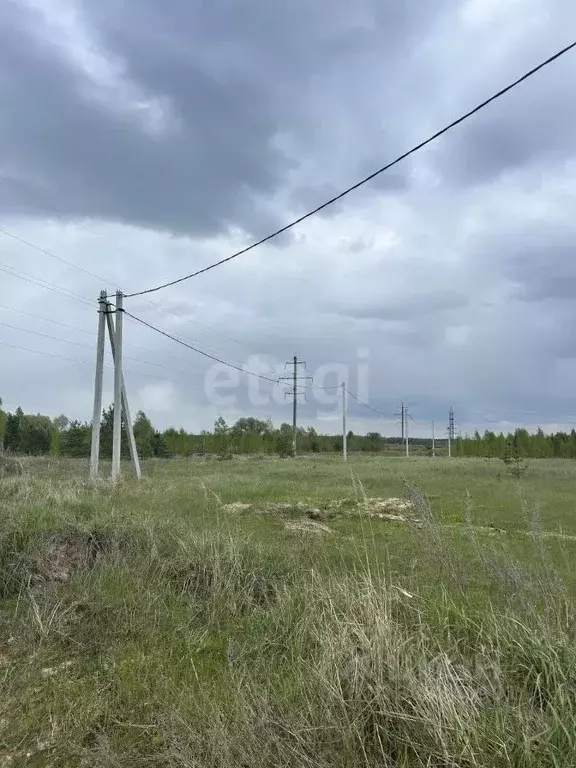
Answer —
(404, 417)
(110, 322)
(297, 380)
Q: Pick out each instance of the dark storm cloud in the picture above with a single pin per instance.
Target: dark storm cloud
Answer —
(223, 80)
(454, 270)
(89, 161)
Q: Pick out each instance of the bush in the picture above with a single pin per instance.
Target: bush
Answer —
(283, 446)
(515, 463)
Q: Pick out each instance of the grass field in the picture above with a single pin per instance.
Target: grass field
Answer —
(162, 623)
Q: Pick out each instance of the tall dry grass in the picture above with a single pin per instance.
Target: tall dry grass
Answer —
(162, 646)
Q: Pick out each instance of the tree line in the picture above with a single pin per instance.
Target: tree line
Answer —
(36, 434)
(537, 445)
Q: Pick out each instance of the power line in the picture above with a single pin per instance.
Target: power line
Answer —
(170, 311)
(90, 333)
(370, 408)
(118, 249)
(68, 294)
(373, 175)
(47, 354)
(50, 254)
(45, 284)
(204, 346)
(44, 335)
(47, 320)
(195, 349)
(84, 346)
(88, 362)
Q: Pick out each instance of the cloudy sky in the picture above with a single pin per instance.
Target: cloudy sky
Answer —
(141, 140)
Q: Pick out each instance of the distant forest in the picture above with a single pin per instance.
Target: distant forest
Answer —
(35, 434)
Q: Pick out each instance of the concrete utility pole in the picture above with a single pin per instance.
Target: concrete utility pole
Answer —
(402, 417)
(105, 312)
(97, 411)
(344, 433)
(406, 432)
(295, 404)
(117, 430)
(125, 405)
(295, 379)
(433, 441)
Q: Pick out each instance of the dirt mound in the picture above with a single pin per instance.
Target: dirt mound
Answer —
(393, 509)
(306, 526)
(68, 553)
(283, 508)
(237, 506)
(391, 506)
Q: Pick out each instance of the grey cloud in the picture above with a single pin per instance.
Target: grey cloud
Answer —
(538, 256)
(458, 288)
(307, 197)
(407, 307)
(530, 127)
(230, 78)
(518, 135)
(89, 163)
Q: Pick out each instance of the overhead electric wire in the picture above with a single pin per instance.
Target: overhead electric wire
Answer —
(47, 354)
(370, 408)
(180, 316)
(46, 284)
(48, 320)
(44, 335)
(365, 180)
(88, 362)
(27, 277)
(199, 351)
(118, 249)
(85, 330)
(91, 333)
(22, 240)
(85, 346)
(204, 346)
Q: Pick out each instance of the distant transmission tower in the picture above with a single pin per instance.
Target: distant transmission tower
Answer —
(295, 379)
(450, 430)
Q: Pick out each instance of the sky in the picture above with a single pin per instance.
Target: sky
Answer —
(143, 140)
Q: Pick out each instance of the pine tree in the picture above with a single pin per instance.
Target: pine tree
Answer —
(143, 435)
(158, 445)
(222, 434)
(12, 434)
(75, 441)
(107, 434)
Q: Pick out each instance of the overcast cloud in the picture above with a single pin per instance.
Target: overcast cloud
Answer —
(142, 140)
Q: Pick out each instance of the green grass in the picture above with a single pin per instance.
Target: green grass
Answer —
(147, 625)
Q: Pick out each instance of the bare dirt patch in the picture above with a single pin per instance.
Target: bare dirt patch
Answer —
(282, 508)
(392, 509)
(307, 526)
